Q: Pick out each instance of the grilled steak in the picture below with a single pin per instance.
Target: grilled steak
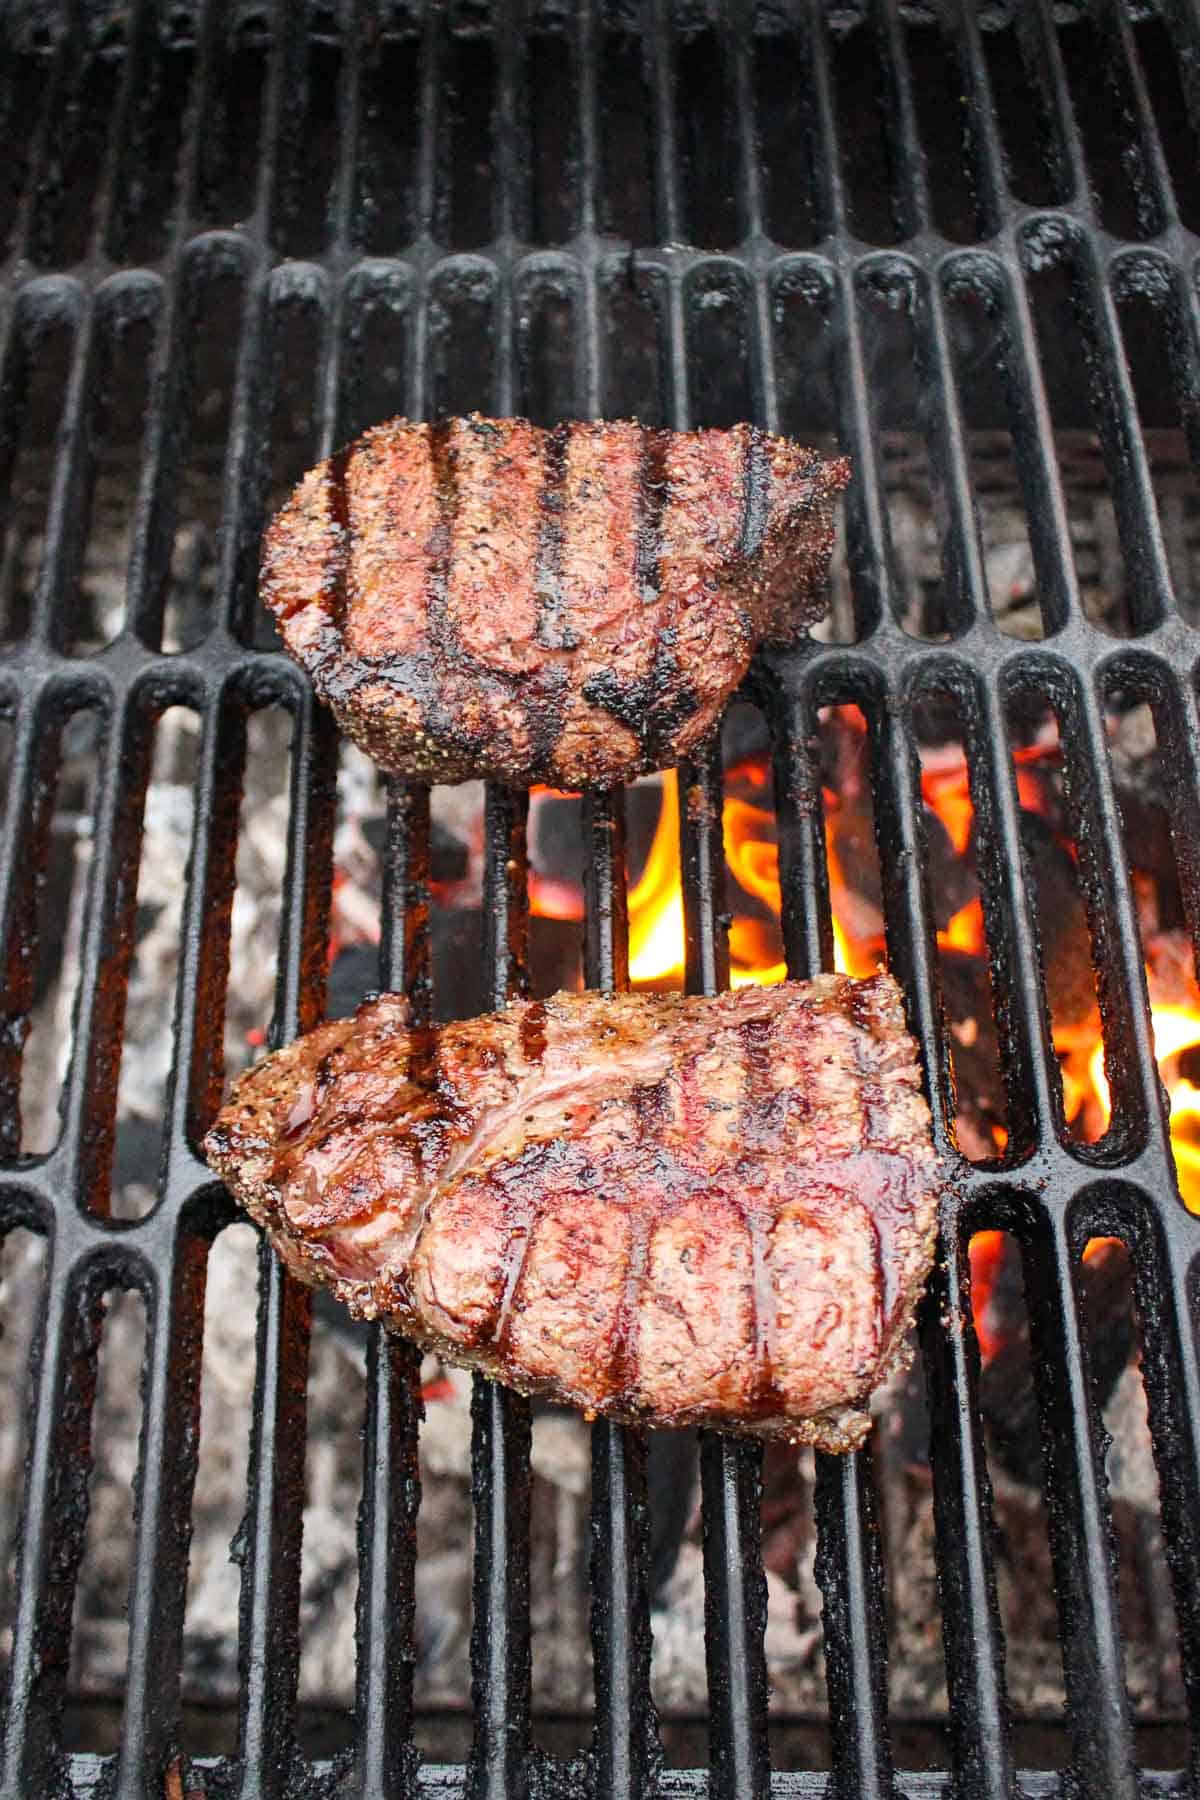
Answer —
(481, 597)
(668, 1210)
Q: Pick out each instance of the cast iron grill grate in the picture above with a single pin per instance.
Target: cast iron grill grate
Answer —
(589, 209)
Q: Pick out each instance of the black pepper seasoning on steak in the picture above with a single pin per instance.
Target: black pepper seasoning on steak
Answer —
(482, 597)
(672, 1210)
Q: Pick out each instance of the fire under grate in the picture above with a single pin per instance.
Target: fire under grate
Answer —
(960, 243)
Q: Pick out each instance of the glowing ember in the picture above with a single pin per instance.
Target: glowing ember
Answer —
(965, 930)
(1176, 1030)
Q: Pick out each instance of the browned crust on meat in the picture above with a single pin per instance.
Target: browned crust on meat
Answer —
(667, 1210)
(482, 597)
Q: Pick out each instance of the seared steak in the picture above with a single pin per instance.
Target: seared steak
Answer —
(481, 597)
(714, 1211)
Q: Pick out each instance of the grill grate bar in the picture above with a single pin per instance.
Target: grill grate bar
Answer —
(1080, 1528)
(1120, 964)
(165, 1482)
(961, 1489)
(1031, 1076)
(269, 1638)
(737, 38)
(626, 1751)
(987, 153)
(67, 510)
(1044, 53)
(23, 847)
(589, 382)
(269, 1645)
(154, 518)
(962, 1501)
(133, 75)
(51, 1535)
(914, 203)
(661, 77)
(387, 1522)
(832, 211)
(89, 1093)
(1152, 160)
(850, 1576)
(384, 1759)
(803, 871)
(735, 1594)
(1171, 1370)
(500, 1419)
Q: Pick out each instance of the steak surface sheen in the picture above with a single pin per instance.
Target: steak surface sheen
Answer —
(669, 1210)
(482, 597)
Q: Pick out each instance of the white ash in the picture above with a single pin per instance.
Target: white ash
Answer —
(793, 1642)
(22, 1274)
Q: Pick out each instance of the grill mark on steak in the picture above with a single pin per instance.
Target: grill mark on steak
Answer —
(624, 1373)
(516, 1255)
(653, 493)
(863, 1076)
(440, 538)
(756, 494)
(756, 1049)
(338, 573)
(533, 1032)
(552, 630)
(665, 708)
(655, 706)
(649, 1102)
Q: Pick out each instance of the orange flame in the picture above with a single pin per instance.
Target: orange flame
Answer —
(965, 930)
(657, 944)
(656, 935)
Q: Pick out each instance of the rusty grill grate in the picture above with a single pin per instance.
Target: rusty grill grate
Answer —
(233, 235)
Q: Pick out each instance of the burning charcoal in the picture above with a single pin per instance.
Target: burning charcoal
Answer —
(355, 973)
(787, 1522)
(556, 847)
(1007, 1395)
(744, 736)
(906, 1420)
(1146, 832)
(1063, 923)
(979, 1086)
(457, 936)
(374, 829)
(843, 762)
(449, 856)
(951, 878)
(671, 1473)
(851, 838)
(351, 1332)
(555, 955)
